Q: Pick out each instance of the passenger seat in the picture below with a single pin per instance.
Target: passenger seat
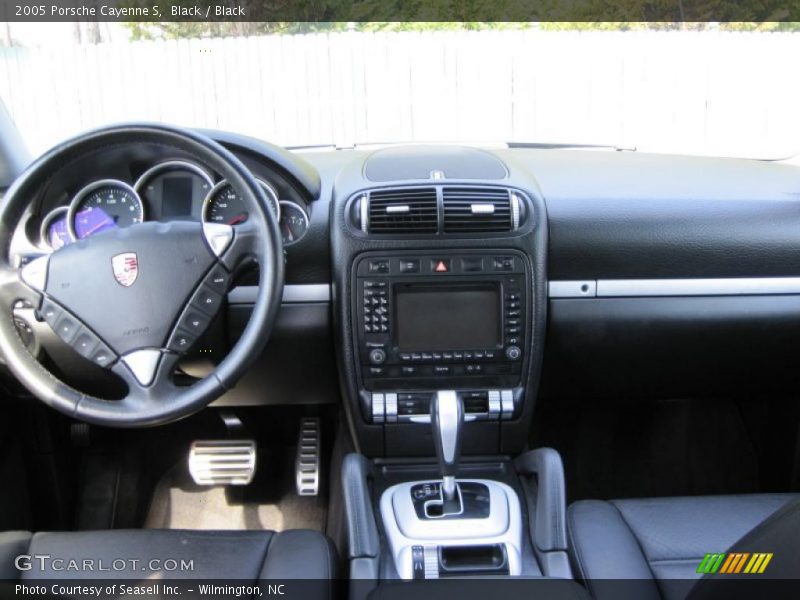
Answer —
(661, 542)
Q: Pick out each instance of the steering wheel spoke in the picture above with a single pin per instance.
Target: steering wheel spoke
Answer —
(147, 372)
(243, 246)
(25, 284)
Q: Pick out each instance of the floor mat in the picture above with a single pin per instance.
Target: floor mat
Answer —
(269, 502)
(671, 448)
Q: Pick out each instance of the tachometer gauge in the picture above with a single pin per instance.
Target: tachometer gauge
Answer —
(293, 223)
(54, 232)
(102, 205)
(223, 204)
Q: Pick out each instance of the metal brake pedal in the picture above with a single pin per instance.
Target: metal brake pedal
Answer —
(222, 462)
(306, 465)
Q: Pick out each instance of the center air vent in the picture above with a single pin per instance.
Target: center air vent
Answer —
(406, 210)
(480, 210)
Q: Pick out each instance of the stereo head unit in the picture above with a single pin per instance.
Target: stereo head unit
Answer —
(454, 319)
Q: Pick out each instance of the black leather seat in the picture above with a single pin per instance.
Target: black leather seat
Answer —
(661, 542)
(242, 555)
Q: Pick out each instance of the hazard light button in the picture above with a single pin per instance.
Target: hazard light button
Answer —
(440, 265)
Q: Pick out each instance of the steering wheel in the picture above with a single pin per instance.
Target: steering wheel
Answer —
(132, 300)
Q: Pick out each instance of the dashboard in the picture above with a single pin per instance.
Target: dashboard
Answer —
(518, 276)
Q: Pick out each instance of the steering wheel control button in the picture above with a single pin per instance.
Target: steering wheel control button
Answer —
(84, 343)
(50, 312)
(102, 356)
(143, 364)
(218, 279)
(181, 341)
(67, 327)
(219, 236)
(35, 273)
(206, 300)
(195, 322)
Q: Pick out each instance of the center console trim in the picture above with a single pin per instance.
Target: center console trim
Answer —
(503, 526)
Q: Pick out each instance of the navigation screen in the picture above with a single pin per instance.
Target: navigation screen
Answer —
(431, 317)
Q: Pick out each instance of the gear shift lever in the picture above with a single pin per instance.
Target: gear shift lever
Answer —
(447, 415)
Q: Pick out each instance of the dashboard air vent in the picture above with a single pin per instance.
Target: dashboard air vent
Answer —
(404, 210)
(480, 210)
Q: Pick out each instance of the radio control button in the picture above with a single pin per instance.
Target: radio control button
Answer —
(416, 356)
(490, 354)
(437, 356)
(478, 355)
(468, 355)
(447, 355)
(513, 341)
(408, 370)
(377, 356)
(377, 370)
(427, 356)
(368, 328)
(405, 356)
(384, 328)
(513, 353)
(441, 370)
(458, 355)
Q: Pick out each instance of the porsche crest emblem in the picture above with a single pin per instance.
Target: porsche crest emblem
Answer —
(126, 268)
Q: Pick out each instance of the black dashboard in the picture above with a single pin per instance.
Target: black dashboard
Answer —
(574, 273)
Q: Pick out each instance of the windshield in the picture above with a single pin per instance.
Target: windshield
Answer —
(712, 90)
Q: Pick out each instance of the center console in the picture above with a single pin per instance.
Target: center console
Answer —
(440, 297)
(446, 320)
(452, 527)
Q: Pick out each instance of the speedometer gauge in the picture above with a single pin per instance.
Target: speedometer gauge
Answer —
(102, 205)
(223, 204)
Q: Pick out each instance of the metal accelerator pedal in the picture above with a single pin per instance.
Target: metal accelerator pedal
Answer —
(306, 465)
(224, 462)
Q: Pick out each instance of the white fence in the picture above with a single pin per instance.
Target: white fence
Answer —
(709, 92)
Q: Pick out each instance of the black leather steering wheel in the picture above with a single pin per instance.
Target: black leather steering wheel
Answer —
(128, 299)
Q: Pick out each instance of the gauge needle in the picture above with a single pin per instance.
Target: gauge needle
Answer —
(289, 236)
(241, 218)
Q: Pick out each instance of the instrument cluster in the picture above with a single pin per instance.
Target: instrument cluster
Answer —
(168, 191)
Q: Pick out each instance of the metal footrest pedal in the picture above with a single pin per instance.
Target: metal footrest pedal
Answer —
(222, 462)
(306, 464)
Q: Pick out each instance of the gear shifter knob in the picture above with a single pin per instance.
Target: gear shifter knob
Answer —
(447, 415)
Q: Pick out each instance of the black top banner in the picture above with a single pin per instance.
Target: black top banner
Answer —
(467, 11)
